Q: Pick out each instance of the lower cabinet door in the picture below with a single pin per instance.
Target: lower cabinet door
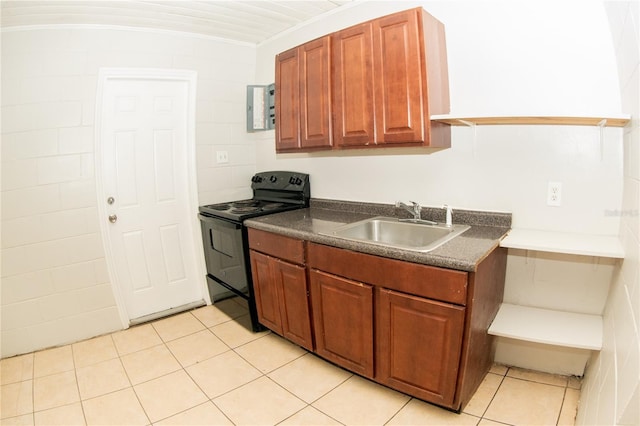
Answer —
(294, 303)
(343, 321)
(419, 342)
(266, 292)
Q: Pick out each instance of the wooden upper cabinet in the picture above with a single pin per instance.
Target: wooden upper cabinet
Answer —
(315, 94)
(303, 97)
(287, 101)
(387, 77)
(353, 86)
(411, 79)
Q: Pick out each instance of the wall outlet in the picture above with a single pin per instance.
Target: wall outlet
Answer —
(554, 194)
(222, 157)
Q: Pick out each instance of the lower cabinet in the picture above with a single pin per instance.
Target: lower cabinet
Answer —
(419, 329)
(282, 297)
(419, 342)
(343, 321)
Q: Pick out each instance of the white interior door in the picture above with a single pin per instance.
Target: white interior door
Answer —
(144, 134)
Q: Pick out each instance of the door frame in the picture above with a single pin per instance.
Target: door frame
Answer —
(149, 74)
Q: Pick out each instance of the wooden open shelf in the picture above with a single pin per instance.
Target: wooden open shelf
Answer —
(608, 121)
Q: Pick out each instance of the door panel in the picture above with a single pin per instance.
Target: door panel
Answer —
(294, 303)
(353, 86)
(163, 147)
(266, 292)
(315, 99)
(419, 345)
(287, 101)
(144, 134)
(399, 104)
(343, 321)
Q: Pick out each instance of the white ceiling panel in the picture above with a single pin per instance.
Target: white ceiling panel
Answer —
(251, 21)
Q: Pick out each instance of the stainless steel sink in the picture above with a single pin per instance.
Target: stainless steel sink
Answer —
(391, 232)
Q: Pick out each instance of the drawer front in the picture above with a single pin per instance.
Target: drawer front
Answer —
(436, 283)
(276, 245)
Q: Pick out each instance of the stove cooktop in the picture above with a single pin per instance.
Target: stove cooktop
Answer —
(244, 209)
(273, 192)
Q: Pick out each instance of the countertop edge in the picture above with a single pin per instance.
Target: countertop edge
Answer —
(455, 254)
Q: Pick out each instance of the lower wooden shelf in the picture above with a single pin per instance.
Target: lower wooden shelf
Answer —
(582, 331)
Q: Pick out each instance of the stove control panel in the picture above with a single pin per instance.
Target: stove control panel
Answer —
(279, 180)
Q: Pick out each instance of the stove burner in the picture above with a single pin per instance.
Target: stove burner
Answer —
(245, 203)
(241, 210)
(272, 206)
(224, 206)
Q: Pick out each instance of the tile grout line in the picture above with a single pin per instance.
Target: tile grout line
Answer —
(75, 373)
(484, 412)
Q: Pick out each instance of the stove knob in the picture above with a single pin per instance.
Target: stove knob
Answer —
(292, 180)
(273, 179)
(256, 179)
(298, 181)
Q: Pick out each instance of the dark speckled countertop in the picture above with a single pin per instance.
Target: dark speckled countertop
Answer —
(464, 252)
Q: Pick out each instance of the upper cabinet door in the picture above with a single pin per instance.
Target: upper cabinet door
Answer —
(287, 101)
(399, 79)
(303, 101)
(353, 91)
(315, 98)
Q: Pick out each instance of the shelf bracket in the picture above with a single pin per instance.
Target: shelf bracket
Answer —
(474, 127)
(602, 124)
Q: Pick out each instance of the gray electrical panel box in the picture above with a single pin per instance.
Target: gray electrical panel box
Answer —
(261, 109)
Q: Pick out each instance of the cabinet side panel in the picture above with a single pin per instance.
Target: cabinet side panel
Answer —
(437, 70)
(419, 343)
(343, 320)
(437, 78)
(487, 287)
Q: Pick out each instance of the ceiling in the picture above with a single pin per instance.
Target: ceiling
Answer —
(251, 21)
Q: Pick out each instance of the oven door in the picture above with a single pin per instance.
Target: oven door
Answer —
(224, 253)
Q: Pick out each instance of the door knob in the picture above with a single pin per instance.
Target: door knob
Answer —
(113, 218)
(111, 200)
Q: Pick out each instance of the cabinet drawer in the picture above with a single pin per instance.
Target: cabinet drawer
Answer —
(436, 283)
(277, 245)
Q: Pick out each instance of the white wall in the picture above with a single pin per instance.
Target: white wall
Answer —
(611, 390)
(55, 286)
(504, 58)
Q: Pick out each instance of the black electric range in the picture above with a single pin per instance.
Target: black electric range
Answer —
(225, 238)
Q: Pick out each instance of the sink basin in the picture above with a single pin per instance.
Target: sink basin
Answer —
(390, 232)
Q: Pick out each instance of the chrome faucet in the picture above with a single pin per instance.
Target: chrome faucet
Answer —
(414, 208)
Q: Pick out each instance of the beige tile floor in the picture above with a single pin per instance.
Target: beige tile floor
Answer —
(202, 367)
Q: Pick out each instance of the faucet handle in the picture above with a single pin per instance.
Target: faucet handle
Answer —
(448, 219)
